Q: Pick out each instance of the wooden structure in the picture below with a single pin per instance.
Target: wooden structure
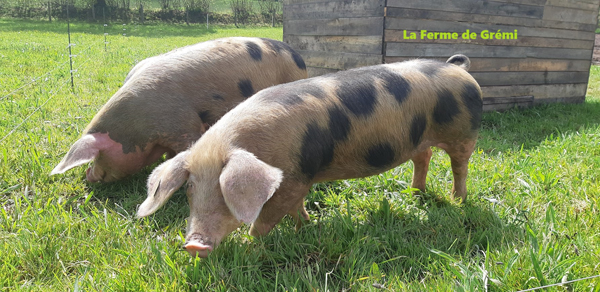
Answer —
(548, 61)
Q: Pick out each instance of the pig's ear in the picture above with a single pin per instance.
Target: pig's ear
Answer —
(163, 182)
(82, 152)
(247, 183)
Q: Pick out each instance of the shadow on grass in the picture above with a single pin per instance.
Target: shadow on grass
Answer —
(527, 128)
(129, 193)
(399, 238)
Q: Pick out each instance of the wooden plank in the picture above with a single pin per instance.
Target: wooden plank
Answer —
(509, 99)
(538, 91)
(528, 78)
(515, 64)
(339, 26)
(315, 71)
(500, 107)
(589, 1)
(572, 99)
(347, 44)
(474, 7)
(338, 60)
(521, 41)
(504, 103)
(332, 9)
(569, 14)
(477, 51)
(480, 18)
(460, 27)
(576, 4)
(528, 2)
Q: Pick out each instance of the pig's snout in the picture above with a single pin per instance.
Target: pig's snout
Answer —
(97, 174)
(198, 245)
(198, 249)
(89, 175)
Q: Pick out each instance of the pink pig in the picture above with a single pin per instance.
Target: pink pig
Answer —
(168, 101)
(259, 161)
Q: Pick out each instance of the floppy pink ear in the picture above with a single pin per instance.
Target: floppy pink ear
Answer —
(247, 183)
(82, 152)
(163, 182)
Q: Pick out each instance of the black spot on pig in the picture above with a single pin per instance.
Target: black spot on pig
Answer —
(278, 47)
(217, 97)
(316, 151)
(204, 116)
(290, 99)
(254, 50)
(446, 108)
(295, 94)
(431, 68)
(245, 87)
(472, 100)
(298, 60)
(380, 155)
(359, 96)
(417, 128)
(339, 123)
(396, 85)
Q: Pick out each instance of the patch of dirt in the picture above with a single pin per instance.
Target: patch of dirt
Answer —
(596, 56)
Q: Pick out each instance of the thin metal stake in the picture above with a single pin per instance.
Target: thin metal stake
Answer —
(70, 55)
(104, 28)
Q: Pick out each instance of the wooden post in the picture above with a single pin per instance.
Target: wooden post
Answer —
(141, 13)
(49, 11)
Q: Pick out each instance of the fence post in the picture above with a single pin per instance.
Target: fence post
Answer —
(49, 11)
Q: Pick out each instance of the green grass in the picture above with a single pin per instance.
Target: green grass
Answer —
(532, 217)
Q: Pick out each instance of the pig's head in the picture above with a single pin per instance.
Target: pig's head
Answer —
(222, 194)
(109, 161)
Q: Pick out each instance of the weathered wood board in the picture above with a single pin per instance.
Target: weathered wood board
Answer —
(548, 61)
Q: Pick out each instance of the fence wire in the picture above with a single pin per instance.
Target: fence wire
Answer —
(35, 80)
(53, 92)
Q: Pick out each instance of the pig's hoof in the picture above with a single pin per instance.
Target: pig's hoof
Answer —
(198, 249)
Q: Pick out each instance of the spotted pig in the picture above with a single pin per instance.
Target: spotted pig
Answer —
(259, 161)
(167, 102)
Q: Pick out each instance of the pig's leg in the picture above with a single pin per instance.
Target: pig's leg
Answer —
(459, 157)
(299, 214)
(285, 200)
(421, 162)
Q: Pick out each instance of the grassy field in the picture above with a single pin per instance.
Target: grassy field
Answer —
(532, 217)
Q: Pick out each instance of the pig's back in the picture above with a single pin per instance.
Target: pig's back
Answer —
(358, 122)
(169, 97)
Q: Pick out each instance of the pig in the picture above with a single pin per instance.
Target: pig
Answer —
(167, 102)
(259, 161)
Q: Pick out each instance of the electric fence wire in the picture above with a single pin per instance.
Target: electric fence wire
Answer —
(51, 93)
(35, 80)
